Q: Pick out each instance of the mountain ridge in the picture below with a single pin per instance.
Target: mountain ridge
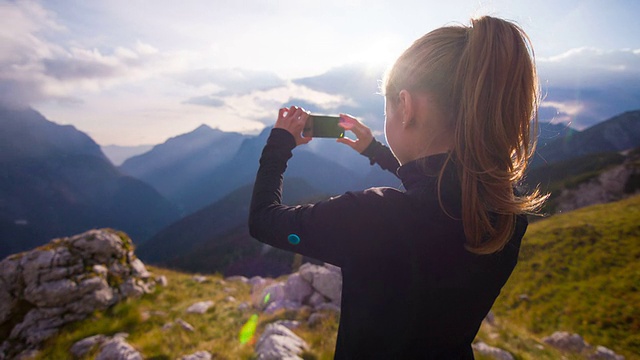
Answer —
(618, 133)
(55, 181)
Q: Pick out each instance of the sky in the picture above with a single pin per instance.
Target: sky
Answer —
(131, 72)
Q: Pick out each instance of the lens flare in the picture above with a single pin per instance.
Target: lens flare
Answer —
(248, 329)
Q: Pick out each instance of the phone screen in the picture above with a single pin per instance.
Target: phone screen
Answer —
(323, 126)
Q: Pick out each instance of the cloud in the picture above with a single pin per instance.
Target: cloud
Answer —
(205, 100)
(33, 67)
(581, 87)
(228, 82)
(584, 86)
(591, 67)
(358, 84)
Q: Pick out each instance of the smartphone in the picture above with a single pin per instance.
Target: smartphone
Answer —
(323, 126)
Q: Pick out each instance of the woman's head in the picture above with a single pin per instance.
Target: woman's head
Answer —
(482, 79)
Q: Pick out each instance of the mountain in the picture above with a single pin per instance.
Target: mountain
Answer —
(175, 165)
(216, 238)
(549, 132)
(118, 154)
(323, 174)
(622, 132)
(55, 181)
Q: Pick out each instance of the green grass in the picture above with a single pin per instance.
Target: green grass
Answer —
(216, 331)
(579, 270)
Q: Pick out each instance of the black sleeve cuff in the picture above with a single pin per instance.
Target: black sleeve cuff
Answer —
(379, 154)
(281, 138)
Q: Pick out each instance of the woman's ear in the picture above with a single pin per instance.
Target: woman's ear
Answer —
(405, 106)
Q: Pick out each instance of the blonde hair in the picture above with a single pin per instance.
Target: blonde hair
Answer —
(484, 77)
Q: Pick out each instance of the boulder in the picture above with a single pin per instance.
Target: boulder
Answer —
(185, 325)
(492, 352)
(65, 281)
(603, 353)
(199, 307)
(82, 347)
(327, 280)
(162, 280)
(238, 278)
(297, 289)
(272, 293)
(282, 304)
(118, 348)
(109, 348)
(200, 355)
(278, 342)
(565, 341)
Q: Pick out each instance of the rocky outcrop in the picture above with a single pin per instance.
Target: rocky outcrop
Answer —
(315, 286)
(109, 348)
(492, 352)
(614, 184)
(278, 342)
(574, 343)
(65, 281)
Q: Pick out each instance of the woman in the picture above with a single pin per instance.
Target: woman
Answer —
(421, 267)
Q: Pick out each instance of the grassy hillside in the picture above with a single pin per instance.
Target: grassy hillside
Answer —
(578, 272)
(216, 331)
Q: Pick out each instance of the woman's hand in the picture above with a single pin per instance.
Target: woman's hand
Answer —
(293, 120)
(364, 137)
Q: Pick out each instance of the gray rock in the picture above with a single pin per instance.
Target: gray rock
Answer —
(162, 280)
(492, 352)
(316, 299)
(282, 304)
(257, 281)
(185, 325)
(65, 281)
(200, 307)
(199, 278)
(306, 271)
(278, 342)
(297, 289)
(118, 349)
(603, 353)
(273, 293)
(99, 245)
(82, 347)
(609, 185)
(200, 355)
(139, 270)
(241, 279)
(325, 280)
(490, 319)
(565, 341)
(289, 324)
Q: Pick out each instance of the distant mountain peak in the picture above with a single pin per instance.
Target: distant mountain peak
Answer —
(204, 127)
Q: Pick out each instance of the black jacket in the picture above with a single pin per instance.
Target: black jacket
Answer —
(410, 288)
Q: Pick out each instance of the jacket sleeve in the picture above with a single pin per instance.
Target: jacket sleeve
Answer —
(321, 230)
(381, 155)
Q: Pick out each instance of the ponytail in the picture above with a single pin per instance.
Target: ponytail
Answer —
(495, 85)
(485, 77)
